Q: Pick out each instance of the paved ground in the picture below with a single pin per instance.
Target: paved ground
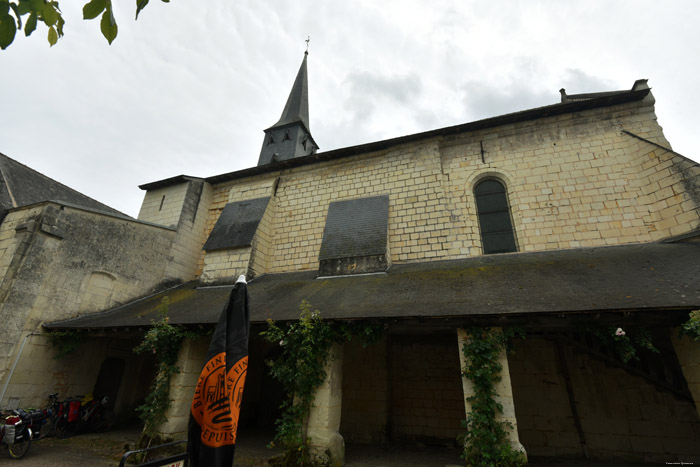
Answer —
(106, 450)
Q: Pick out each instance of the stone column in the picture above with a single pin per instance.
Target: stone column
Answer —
(327, 444)
(688, 353)
(503, 389)
(190, 360)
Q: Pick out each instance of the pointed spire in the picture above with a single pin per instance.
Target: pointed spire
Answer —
(297, 107)
(291, 136)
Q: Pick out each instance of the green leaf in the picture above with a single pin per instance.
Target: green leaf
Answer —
(53, 36)
(8, 29)
(108, 26)
(59, 26)
(140, 5)
(30, 26)
(50, 14)
(23, 7)
(93, 9)
(17, 15)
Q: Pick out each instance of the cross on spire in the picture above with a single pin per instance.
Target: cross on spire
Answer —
(308, 39)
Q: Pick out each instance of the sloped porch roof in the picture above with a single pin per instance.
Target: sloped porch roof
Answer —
(629, 278)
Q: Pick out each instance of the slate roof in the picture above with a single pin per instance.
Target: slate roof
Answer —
(23, 186)
(297, 107)
(659, 277)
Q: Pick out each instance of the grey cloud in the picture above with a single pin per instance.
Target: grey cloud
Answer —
(577, 81)
(365, 89)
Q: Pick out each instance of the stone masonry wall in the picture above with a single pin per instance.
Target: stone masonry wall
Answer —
(191, 358)
(574, 180)
(425, 389)
(365, 411)
(164, 205)
(253, 188)
(56, 265)
(622, 416)
(37, 373)
(190, 237)
(225, 264)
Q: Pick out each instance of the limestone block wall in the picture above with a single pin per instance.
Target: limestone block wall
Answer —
(263, 240)
(503, 388)
(225, 264)
(688, 352)
(323, 421)
(164, 205)
(671, 186)
(425, 389)
(573, 180)
(190, 360)
(186, 248)
(365, 414)
(59, 261)
(622, 416)
(37, 373)
(253, 188)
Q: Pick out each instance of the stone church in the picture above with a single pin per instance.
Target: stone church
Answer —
(558, 220)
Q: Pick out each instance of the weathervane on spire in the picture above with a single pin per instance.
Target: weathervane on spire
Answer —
(308, 39)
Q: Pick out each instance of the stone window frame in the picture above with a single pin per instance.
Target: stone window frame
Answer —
(508, 181)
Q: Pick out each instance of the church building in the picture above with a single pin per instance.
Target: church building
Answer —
(566, 221)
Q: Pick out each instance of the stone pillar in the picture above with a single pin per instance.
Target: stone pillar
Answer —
(190, 360)
(688, 353)
(503, 389)
(327, 444)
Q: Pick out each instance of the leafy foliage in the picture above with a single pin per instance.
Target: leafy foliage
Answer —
(691, 328)
(48, 12)
(300, 368)
(625, 342)
(64, 342)
(486, 442)
(163, 340)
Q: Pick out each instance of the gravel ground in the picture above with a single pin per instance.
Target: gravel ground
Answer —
(106, 450)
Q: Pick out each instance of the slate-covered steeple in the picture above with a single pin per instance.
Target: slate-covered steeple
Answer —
(291, 137)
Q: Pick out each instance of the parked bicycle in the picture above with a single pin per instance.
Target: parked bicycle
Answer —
(18, 430)
(67, 419)
(72, 415)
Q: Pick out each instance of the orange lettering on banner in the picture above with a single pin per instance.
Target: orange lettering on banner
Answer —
(217, 400)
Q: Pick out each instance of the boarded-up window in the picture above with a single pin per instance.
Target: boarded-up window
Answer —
(494, 217)
(237, 224)
(355, 237)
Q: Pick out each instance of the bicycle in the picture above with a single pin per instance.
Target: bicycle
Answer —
(73, 415)
(98, 417)
(67, 421)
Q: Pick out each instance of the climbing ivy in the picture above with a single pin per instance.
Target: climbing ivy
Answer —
(486, 441)
(625, 342)
(691, 328)
(163, 340)
(64, 342)
(300, 368)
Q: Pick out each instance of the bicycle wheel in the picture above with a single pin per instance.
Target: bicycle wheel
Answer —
(48, 427)
(102, 420)
(65, 429)
(20, 448)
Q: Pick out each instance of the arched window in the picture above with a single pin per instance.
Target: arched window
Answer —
(494, 217)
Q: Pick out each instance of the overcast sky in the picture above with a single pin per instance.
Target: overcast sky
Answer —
(190, 86)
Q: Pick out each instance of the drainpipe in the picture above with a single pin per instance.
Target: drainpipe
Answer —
(14, 365)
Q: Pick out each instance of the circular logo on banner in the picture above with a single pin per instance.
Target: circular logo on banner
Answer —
(217, 400)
